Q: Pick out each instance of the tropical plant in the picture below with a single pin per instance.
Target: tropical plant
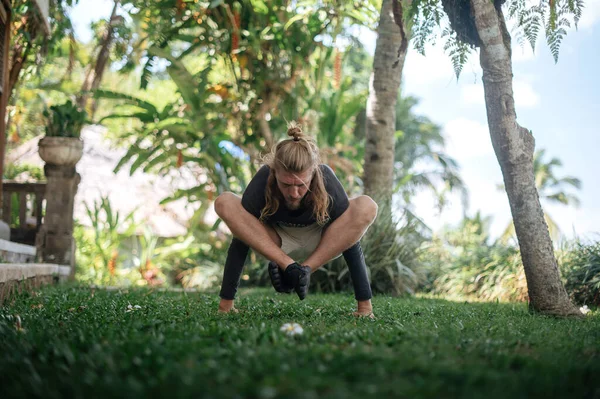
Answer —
(261, 50)
(551, 189)
(580, 269)
(28, 40)
(99, 255)
(23, 172)
(462, 263)
(181, 136)
(64, 120)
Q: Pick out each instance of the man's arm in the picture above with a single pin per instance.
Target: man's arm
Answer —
(241, 216)
(238, 250)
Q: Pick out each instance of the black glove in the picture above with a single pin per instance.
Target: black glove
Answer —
(277, 279)
(298, 276)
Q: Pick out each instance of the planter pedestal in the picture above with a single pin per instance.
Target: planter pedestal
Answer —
(54, 241)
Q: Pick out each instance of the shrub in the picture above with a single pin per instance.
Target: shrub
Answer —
(580, 268)
(462, 264)
(391, 249)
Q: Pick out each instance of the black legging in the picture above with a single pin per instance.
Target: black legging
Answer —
(238, 251)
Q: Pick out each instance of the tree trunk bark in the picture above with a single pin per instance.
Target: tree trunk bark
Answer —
(514, 148)
(390, 53)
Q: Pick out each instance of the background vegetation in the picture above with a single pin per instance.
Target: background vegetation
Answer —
(209, 87)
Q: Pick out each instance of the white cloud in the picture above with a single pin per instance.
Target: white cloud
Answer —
(525, 95)
(472, 94)
(467, 139)
(484, 196)
(590, 15)
(522, 54)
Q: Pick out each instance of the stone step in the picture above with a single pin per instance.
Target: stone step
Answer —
(21, 271)
(19, 277)
(12, 252)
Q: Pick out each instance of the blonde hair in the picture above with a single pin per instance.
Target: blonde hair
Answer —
(296, 155)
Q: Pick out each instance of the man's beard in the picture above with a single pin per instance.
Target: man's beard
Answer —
(293, 205)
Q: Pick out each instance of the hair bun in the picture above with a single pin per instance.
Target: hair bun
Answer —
(295, 131)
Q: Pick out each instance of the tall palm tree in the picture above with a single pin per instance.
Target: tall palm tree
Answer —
(390, 52)
(551, 189)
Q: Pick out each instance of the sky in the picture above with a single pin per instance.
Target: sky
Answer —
(559, 103)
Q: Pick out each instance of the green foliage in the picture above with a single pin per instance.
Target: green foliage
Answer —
(26, 32)
(550, 16)
(580, 269)
(93, 344)
(64, 120)
(258, 52)
(189, 133)
(99, 255)
(427, 16)
(117, 250)
(553, 17)
(391, 248)
(457, 50)
(196, 260)
(23, 173)
(462, 264)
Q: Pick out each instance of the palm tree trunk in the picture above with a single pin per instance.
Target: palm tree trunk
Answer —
(390, 53)
(514, 146)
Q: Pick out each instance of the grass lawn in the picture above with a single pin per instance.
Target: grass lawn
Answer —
(75, 343)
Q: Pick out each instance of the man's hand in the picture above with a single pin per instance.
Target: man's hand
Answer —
(298, 276)
(277, 279)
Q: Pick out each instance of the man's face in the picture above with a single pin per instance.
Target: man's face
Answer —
(293, 186)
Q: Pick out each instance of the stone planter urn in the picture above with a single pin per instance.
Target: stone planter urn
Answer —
(54, 241)
(60, 151)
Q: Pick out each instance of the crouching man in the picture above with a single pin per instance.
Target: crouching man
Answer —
(296, 213)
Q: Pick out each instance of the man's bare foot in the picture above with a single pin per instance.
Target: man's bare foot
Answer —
(364, 309)
(226, 306)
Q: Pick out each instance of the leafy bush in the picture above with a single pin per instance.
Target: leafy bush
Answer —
(391, 249)
(23, 173)
(99, 254)
(462, 264)
(581, 271)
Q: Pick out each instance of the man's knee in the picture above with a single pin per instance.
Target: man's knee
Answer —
(225, 202)
(364, 209)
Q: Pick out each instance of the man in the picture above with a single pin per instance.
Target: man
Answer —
(295, 208)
